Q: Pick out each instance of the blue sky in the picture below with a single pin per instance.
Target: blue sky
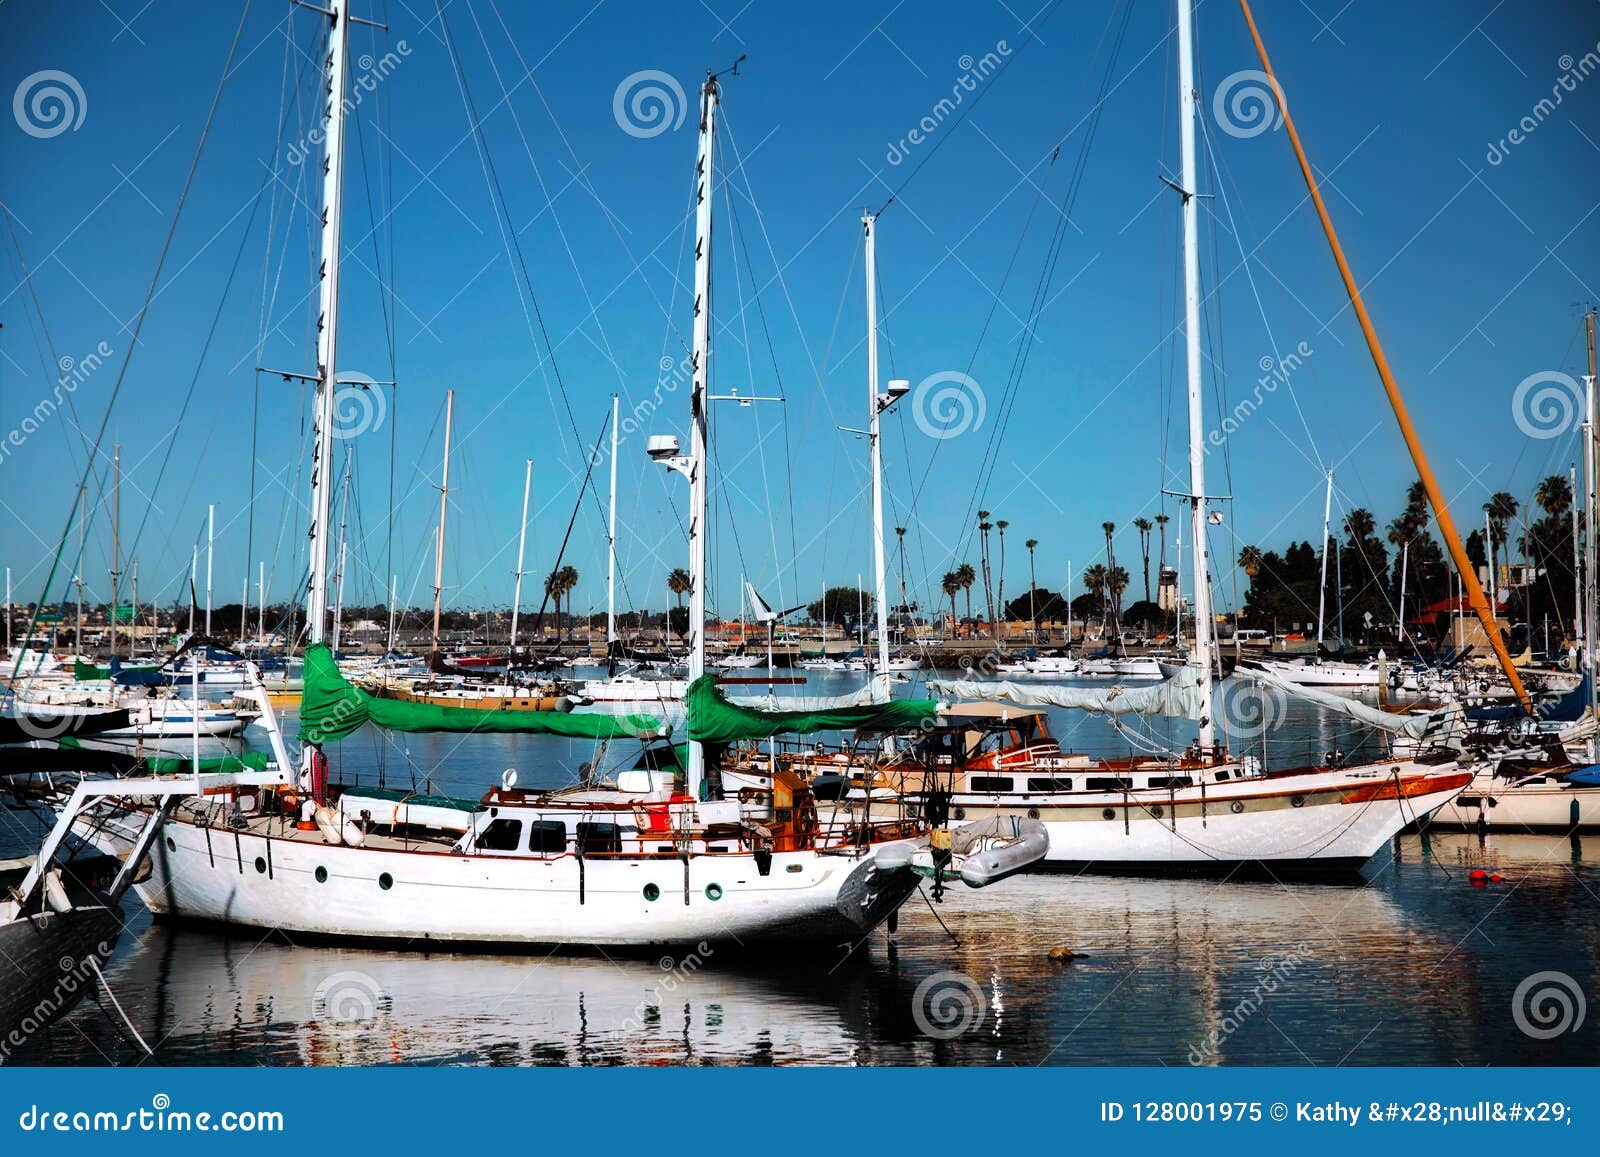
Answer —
(1474, 254)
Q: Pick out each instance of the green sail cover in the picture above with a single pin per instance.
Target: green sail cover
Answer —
(88, 673)
(330, 709)
(713, 720)
(249, 761)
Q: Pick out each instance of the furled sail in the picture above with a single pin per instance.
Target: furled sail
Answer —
(713, 719)
(1443, 725)
(1177, 697)
(865, 697)
(331, 708)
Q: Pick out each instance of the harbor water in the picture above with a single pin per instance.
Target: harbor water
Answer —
(1412, 963)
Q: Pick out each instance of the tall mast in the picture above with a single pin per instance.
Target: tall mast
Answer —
(194, 574)
(875, 404)
(699, 401)
(611, 537)
(211, 543)
(522, 542)
(335, 66)
(1199, 552)
(1441, 510)
(82, 520)
(444, 497)
(1591, 596)
(1577, 556)
(116, 535)
(261, 600)
(1322, 584)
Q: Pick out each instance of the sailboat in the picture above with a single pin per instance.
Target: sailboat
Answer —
(989, 753)
(654, 858)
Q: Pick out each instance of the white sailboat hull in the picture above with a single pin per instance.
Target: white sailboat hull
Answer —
(217, 875)
(1324, 674)
(1492, 802)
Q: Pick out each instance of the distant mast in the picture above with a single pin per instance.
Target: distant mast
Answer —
(334, 69)
(522, 542)
(444, 499)
(611, 541)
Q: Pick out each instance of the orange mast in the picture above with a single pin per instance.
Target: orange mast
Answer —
(1447, 526)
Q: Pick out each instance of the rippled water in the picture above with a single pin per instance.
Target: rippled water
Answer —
(1413, 966)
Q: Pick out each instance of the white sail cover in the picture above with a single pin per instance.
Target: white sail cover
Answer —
(1177, 697)
(866, 697)
(1443, 725)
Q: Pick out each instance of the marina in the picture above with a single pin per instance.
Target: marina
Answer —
(648, 676)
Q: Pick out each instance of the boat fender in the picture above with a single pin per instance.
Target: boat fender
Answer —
(353, 835)
(327, 826)
(55, 896)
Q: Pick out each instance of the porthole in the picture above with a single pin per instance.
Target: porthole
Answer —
(960, 813)
(171, 846)
(713, 891)
(386, 881)
(322, 875)
(261, 865)
(1158, 811)
(1297, 801)
(652, 893)
(794, 868)
(1033, 813)
(1236, 806)
(1108, 813)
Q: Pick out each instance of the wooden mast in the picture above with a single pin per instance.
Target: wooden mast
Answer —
(1441, 512)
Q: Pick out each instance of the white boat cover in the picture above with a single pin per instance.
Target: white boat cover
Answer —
(865, 697)
(1444, 725)
(1177, 697)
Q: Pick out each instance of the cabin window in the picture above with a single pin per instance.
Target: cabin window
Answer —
(990, 783)
(1048, 783)
(1107, 783)
(501, 835)
(595, 838)
(1171, 781)
(547, 837)
(1222, 777)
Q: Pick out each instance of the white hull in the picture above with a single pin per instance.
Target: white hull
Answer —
(217, 875)
(149, 719)
(1122, 669)
(1535, 806)
(1324, 674)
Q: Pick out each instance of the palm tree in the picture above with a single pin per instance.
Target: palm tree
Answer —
(1359, 524)
(1501, 508)
(1250, 560)
(1000, 587)
(1033, 612)
(679, 583)
(951, 583)
(966, 576)
(1116, 583)
(984, 526)
(1111, 555)
(1144, 526)
(558, 584)
(1094, 580)
(1161, 521)
(1554, 495)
